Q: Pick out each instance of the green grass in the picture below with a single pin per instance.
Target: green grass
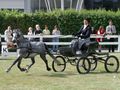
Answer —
(38, 78)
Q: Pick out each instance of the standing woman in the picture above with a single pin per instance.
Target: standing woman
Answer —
(56, 32)
(84, 32)
(46, 31)
(101, 32)
(38, 31)
(8, 37)
(30, 32)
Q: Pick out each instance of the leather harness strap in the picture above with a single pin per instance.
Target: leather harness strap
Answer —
(29, 50)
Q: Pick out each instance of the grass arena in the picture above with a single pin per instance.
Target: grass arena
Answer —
(38, 78)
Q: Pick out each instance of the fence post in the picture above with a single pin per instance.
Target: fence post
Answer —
(0, 38)
(0, 43)
(41, 38)
(118, 43)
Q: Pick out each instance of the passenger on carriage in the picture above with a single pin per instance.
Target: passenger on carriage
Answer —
(84, 33)
(8, 37)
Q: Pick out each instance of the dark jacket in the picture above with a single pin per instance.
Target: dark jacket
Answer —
(37, 32)
(84, 33)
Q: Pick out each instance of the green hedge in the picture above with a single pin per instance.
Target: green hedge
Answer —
(69, 21)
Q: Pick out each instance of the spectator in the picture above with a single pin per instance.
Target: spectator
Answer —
(37, 31)
(8, 37)
(30, 32)
(46, 31)
(111, 30)
(100, 32)
(55, 31)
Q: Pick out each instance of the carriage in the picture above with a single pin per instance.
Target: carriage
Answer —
(84, 57)
(85, 61)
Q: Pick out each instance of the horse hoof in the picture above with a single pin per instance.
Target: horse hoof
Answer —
(23, 69)
(26, 70)
(49, 69)
(7, 70)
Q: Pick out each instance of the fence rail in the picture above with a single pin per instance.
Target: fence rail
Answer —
(93, 36)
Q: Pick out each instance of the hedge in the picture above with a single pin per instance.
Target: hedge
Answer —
(69, 21)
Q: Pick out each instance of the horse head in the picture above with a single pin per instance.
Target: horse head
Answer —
(17, 35)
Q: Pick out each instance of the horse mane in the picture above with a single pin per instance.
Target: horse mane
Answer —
(18, 31)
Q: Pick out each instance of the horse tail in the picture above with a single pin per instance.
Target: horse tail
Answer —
(49, 53)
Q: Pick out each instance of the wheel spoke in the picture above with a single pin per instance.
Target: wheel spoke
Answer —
(59, 65)
(83, 65)
(93, 62)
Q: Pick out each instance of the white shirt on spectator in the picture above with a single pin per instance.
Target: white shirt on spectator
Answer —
(8, 35)
(55, 32)
(46, 32)
(110, 29)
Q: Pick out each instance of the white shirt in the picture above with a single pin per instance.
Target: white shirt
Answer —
(8, 35)
(110, 29)
(85, 26)
(55, 32)
(46, 32)
(30, 33)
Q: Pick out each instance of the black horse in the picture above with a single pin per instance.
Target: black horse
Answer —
(27, 49)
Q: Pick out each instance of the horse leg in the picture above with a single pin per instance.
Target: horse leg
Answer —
(19, 58)
(18, 65)
(46, 62)
(49, 53)
(29, 66)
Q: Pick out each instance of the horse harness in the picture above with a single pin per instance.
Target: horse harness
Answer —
(29, 49)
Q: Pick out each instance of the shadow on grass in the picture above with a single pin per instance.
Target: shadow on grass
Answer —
(60, 74)
(3, 59)
(69, 73)
(50, 75)
(56, 75)
(103, 72)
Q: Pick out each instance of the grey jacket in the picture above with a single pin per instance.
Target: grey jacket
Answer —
(111, 29)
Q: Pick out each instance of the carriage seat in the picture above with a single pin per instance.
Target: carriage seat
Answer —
(66, 51)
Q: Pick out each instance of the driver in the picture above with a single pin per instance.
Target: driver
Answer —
(84, 33)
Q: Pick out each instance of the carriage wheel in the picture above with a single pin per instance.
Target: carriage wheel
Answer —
(83, 65)
(112, 64)
(59, 65)
(93, 62)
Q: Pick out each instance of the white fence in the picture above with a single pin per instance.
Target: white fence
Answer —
(4, 48)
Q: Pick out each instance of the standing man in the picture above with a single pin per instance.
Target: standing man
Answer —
(111, 30)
